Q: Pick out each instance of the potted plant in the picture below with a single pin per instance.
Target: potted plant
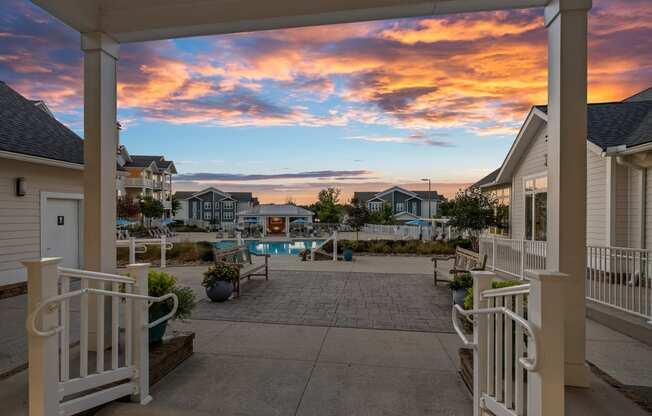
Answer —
(218, 281)
(304, 254)
(460, 285)
(161, 283)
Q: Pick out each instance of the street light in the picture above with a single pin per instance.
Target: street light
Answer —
(429, 198)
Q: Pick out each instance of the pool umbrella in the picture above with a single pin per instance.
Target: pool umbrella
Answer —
(122, 222)
(299, 221)
(166, 222)
(420, 223)
(251, 221)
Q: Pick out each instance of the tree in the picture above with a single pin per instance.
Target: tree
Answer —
(328, 208)
(290, 201)
(357, 215)
(175, 205)
(127, 208)
(472, 211)
(384, 216)
(151, 208)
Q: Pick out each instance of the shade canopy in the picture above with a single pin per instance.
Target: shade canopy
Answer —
(299, 221)
(420, 223)
(121, 222)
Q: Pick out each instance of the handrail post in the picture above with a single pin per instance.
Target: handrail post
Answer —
(546, 313)
(140, 337)
(132, 250)
(163, 250)
(335, 245)
(493, 255)
(43, 352)
(481, 282)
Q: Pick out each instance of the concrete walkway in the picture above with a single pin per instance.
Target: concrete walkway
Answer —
(268, 369)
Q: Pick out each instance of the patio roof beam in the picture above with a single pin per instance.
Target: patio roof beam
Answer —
(141, 20)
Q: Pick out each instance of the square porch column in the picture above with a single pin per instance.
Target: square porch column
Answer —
(566, 21)
(100, 147)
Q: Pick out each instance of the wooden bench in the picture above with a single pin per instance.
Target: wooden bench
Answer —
(465, 261)
(240, 257)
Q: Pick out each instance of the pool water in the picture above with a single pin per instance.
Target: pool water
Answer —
(274, 248)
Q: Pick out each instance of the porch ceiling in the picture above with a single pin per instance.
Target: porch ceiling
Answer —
(141, 20)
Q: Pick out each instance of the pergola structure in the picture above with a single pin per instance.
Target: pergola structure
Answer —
(104, 24)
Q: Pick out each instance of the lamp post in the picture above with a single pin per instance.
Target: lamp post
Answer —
(429, 198)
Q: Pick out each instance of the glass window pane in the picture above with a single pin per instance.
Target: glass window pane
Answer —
(528, 217)
(540, 215)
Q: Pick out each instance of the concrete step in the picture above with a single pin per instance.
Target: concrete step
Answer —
(623, 322)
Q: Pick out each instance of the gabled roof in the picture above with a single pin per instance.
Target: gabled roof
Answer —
(270, 210)
(237, 196)
(146, 161)
(487, 180)
(29, 130)
(182, 195)
(627, 123)
(242, 196)
(645, 95)
(368, 196)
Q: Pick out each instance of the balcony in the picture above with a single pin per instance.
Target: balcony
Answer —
(139, 183)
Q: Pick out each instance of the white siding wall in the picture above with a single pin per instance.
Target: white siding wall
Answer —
(20, 216)
(532, 162)
(622, 217)
(596, 199)
(633, 208)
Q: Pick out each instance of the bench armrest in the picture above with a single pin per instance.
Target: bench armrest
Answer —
(259, 254)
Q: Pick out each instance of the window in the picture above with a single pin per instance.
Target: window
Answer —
(536, 205)
(228, 215)
(207, 215)
(208, 205)
(228, 204)
(503, 201)
(400, 207)
(414, 207)
(376, 206)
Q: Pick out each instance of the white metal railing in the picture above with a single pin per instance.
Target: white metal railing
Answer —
(513, 257)
(139, 245)
(56, 386)
(401, 231)
(620, 278)
(517, 340)
(332, 238)
(139, 182)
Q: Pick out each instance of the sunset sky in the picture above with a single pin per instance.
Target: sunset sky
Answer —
(359, 106)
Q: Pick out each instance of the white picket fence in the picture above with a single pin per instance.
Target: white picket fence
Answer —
(620, 278)
(616, 276)
(399, 231)
(513, 257)
(56, 386)
(139, 245)
(511, 328)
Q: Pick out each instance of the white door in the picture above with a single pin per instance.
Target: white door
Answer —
(62, 230)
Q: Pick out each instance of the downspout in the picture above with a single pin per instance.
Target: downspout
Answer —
(621, 160)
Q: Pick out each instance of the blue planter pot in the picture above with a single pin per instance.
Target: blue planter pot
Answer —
(157, 332)
(458, 296)
(347, 254)
(220, 291)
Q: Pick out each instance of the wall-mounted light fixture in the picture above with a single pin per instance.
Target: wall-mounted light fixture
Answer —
(21, 190)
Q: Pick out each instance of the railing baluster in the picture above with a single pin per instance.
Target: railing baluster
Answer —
(83, 335)
(519, 387)
(128, 327)
(99, 350)
(115, 327)
(509, 358)
(499, 352)
(491, 346)
(65, 333)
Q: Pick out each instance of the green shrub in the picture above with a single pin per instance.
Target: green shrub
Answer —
(161, 283)
(220, 272)
(461, 281)
(496, 284)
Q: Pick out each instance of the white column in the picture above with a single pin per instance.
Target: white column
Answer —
(43, 352)
(545, 385)
(287, 226)
(566, 21)
(100, 146)
(610, 208)
(481, 282)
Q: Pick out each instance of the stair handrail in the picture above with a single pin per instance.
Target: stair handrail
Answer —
(332, 238)
(31, 318)
(531, 362)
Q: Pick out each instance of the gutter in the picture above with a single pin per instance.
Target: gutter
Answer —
(40, 160)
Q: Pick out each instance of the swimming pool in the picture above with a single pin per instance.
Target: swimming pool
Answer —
(274, 248)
